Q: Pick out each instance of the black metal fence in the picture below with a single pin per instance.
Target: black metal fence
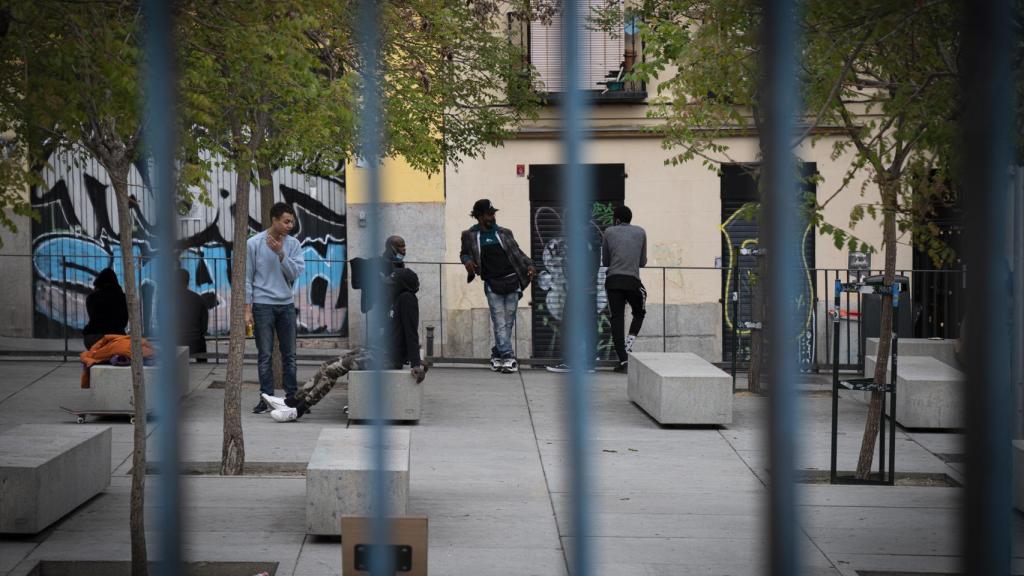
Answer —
(678, 315)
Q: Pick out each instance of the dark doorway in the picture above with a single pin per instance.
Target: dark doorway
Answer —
(547, 248)
(739, 188)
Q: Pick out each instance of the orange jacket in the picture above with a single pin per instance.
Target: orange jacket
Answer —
(106, 348)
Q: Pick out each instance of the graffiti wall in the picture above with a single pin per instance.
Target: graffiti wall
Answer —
(77, 236)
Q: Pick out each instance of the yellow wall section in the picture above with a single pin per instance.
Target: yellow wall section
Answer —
(400, 183)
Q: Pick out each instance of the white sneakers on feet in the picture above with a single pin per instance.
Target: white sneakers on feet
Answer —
(497, 364)
(630, 339)
(274, 402)
(285, 414)
(509, 365)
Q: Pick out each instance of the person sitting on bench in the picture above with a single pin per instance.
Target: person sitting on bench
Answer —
(107, 308)
(402, 346)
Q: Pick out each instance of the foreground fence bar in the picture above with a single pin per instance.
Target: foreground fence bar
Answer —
(159, 90)
(579, 348)
(986, 82)
(783, 253)
(370, 140)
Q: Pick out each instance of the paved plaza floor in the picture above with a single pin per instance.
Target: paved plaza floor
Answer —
(488, 468)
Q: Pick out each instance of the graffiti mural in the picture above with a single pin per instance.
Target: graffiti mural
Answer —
(550, 289)
(77, 236)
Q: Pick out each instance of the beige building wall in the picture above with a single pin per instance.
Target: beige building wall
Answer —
(679, 206)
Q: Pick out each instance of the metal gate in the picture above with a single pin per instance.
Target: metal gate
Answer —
(547, 248)
(739, 187)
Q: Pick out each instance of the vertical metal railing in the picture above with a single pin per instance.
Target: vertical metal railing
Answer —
(580, 340)
(160, 142)
(782, 284)
(986, 80)
(370, 143)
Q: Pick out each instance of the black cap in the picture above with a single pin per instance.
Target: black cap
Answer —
(483, 206)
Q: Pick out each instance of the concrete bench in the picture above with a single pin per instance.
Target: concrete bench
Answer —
(111, 386)
(929, 393)
(404, 396)
(942, 350)
(339, 477)
(679, 388)
(49, 470)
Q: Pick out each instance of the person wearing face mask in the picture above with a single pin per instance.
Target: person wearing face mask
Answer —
(273, 262)
(392, 259)
(490, 251)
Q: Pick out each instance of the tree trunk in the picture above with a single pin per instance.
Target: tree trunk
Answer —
(140, 563)
(266, 174)
(233, 449)
(757, 343)
(867, 446)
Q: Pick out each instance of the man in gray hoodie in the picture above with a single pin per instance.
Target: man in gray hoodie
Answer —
(273, 262)
(624, 252)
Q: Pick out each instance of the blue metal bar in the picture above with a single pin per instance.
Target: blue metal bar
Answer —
(986, 83)
(579, 342)
(160, 141)
(780, 195)
(370, 132)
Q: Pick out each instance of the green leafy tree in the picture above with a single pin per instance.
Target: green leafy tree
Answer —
(71, 85)
(880, 75)
(270, 84)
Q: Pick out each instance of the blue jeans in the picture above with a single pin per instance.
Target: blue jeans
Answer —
(503, 320)
(268, 319)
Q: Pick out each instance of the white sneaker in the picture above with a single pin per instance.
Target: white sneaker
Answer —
(509, 365)
(496, 364)
(284, 415)
(630, 339)
(274, 402)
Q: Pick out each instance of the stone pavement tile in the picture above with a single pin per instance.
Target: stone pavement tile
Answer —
(659, 466)
(907, 531)
(686, 556)
(460, 561)
(320, 556)
(932, 497)
(940, 442)
(734, 502)
(13, 551)
(851, 564)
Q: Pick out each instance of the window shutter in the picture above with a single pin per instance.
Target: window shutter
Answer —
(600, 53)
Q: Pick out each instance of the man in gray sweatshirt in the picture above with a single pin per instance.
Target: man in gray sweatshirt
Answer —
(273, 262)
(624, 252)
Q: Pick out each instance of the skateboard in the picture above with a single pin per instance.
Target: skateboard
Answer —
(81, 413)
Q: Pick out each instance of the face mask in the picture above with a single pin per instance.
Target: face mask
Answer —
(399, 257)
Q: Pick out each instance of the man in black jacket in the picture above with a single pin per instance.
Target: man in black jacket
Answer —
(492, 252)
(401, 345)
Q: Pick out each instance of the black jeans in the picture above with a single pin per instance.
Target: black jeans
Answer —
(620, 293)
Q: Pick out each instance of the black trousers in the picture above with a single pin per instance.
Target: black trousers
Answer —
(618, 297)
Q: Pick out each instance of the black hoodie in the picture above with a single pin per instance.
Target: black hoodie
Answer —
(106, 305)
(404, 318)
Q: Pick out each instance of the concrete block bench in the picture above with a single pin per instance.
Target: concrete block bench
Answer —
(404, 395)
(49, 470)
(339, 477)
(929, 393)
(679, 388)
(942, 350)
(111, 386)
